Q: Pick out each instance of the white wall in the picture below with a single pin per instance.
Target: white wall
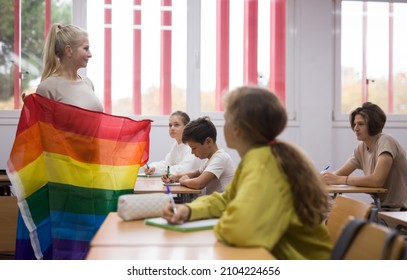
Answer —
(8, 127)
(325, 141)
(314, 81)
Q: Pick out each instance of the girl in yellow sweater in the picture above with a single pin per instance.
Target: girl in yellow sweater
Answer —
(276, 199)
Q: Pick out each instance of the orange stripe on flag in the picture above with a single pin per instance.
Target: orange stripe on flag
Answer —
(29, 145)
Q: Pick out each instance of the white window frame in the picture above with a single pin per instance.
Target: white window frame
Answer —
(193, 65)
(393, 120)
(292, 64)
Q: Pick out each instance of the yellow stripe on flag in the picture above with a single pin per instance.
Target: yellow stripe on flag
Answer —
(65, 170)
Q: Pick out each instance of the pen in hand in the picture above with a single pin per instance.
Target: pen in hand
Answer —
(147, 170)
(168, 180)
(171, 199)
(325, 169)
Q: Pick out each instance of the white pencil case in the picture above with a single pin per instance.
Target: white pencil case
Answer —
(141, 206)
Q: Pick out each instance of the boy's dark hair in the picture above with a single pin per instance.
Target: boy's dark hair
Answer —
(198, 130)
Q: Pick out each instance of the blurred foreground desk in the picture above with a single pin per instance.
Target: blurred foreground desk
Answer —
(155, 185)
(118, 239)
(220, 252)
(116, 232)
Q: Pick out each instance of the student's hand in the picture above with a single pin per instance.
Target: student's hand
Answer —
(165, 179)
(182, 215)
(149, 171)
(183, 179)
(332, 179)
(170, 179)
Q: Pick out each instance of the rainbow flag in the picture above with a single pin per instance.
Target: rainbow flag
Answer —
(68, 166)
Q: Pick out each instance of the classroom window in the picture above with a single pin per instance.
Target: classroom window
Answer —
(141, 67)
(372, 54)
(249, 48)
(174, 73)
(157, 56)
(22, 32)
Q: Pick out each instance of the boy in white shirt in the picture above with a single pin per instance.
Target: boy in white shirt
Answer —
(218, 170)
(179, 159)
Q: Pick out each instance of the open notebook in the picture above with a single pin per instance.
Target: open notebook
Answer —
(142, 175)
(172, 184)
(187, 226)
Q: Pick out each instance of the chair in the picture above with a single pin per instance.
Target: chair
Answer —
(364, 240)
(8, 225)
(344, 208)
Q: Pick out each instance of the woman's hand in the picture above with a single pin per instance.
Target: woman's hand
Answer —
(182, 215)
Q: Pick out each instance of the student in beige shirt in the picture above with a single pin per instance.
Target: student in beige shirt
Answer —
(380, 156)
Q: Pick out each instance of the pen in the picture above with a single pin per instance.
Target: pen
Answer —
(148, 167)
(326, 168)
(171, 199)
(168, 171)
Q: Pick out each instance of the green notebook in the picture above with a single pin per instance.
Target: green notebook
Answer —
(187, 226)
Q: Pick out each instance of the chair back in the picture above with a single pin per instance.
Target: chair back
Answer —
(404, 254)
(342, 209)
(364, 240)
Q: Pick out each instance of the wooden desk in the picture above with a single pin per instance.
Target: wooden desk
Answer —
(4, 178)
(339, 189)
(8, 223)
(397, 217)
(219, 252)
(4, 184)
(116, 232)
(155, 185)
(117, 239)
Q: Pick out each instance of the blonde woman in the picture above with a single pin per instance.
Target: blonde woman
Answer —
(66, 50)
